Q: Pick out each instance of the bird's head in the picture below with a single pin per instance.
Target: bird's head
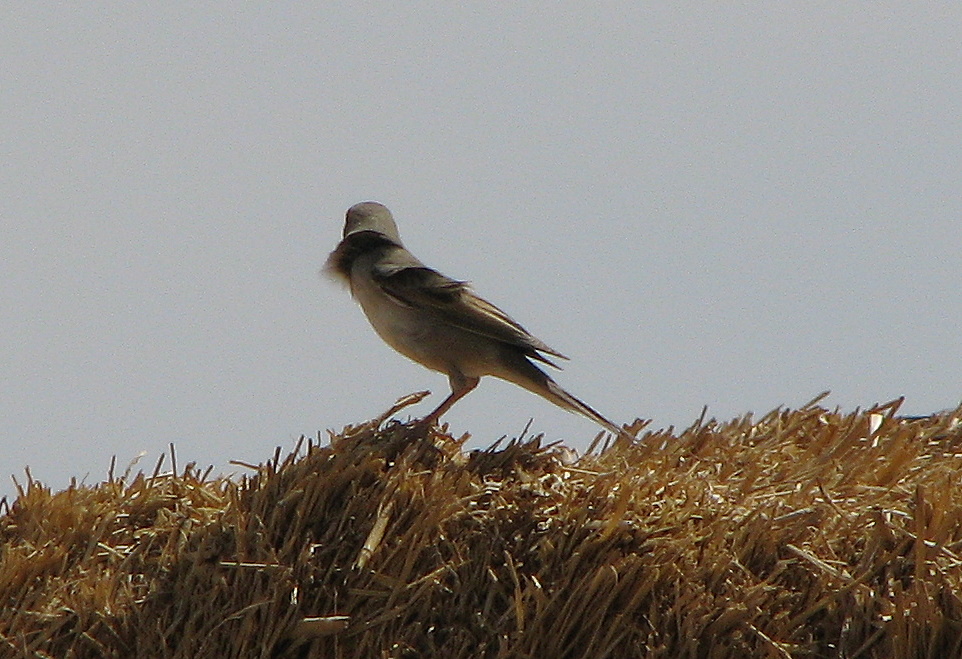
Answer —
(371, 216)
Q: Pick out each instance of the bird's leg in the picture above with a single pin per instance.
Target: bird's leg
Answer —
(461, 386)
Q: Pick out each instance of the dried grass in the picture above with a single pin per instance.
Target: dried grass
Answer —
(806, 533)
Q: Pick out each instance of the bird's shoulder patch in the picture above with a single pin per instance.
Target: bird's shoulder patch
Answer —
(419, 281)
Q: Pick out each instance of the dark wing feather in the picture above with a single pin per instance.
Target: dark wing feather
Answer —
(415, 285)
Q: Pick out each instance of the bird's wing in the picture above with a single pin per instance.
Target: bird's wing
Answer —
(413, 284)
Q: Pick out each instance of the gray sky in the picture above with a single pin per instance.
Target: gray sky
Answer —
(699, 205)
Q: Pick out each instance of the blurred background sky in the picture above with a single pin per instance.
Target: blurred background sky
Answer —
(700, 205)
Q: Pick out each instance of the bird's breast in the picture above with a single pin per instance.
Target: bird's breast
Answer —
(403, 328)
(420, 335)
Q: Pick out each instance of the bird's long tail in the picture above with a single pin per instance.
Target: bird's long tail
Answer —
(535, 380)
(562, 398)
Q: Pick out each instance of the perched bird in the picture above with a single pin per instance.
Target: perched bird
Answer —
(437, 321)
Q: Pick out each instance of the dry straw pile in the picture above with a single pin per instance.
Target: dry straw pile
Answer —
(806, 533)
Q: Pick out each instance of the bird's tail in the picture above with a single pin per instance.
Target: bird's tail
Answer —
(535, 380)
(562, 398)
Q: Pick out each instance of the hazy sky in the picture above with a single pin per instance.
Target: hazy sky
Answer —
(700, 205)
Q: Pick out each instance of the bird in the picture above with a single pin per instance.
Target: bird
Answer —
(437, 321)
